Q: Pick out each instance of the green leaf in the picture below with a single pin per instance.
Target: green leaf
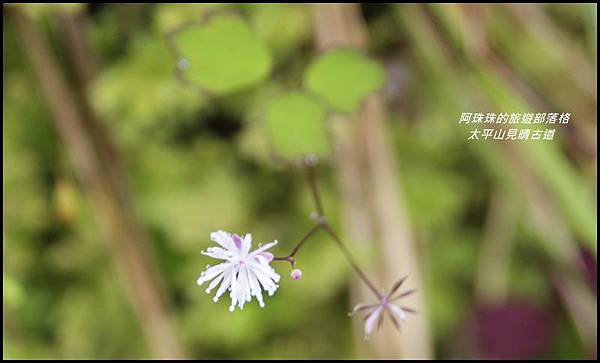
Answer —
(223, 55)
(283, 27)
(169, 16)
(140, 93)
(296, 125)
(343, 78)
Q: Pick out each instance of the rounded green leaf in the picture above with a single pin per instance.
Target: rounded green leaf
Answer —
(222, 55)
(343, 78)
(296, 125)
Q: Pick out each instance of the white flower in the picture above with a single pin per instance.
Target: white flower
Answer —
(243, 273)
(376, 312)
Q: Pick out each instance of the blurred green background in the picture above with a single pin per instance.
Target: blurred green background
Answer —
(205, 148)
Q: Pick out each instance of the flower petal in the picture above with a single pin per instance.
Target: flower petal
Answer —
(263, 248)
(409, 310)
(218, 253)
(393, 318)
(237, 241)
(214, 283)
(246, 244)
(404, 294)
(267, 277)
(224, 239)
(360, 307)
(212, 272)
(227, 275)
(244, 273)
(397, 285)
(255, 288)
(372, 320)
(268, 256)
(397, 311)
(234, 294)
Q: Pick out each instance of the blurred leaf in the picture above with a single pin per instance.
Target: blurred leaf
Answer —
(296, 125)
(223, 55)
(188, 202)
(141, 91)
(343, 78)
(98, 321)
(13, 291)
(170, 16)
(282, 26)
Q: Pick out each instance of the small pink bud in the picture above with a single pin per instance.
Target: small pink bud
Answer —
(296, 274)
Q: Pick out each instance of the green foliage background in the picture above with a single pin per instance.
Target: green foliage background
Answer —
(197, 163)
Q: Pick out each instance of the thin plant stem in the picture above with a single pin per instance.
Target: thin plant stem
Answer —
(310, 173)
(348, 256)
(314, 230)
(290, 258)
(322, 223)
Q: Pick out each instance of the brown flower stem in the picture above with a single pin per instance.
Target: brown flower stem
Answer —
(312, 232)
(290, 258)
(321, 222)
(310, 164)
(112, 208)
(348, 256)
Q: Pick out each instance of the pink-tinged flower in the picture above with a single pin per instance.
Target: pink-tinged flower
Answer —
(243, 272)
(296, 274)
(376, 312)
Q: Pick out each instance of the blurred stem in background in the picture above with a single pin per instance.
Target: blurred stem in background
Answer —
(374, 209)
(96, 166)
(565, 270)
(309, 164)
(532, 179)
(492, 285)
(538, 177)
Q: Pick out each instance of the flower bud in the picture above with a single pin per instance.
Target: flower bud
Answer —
(296, 274)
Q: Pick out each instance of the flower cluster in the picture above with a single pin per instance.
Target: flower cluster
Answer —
(246, 273)
(376, 312)
(243, 273)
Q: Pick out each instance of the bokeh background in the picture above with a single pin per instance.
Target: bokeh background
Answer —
(117, 168)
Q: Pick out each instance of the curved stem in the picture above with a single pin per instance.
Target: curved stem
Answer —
(314, 230)
(348, 256)
(310, 173)
(309, 164)
(290, 258)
